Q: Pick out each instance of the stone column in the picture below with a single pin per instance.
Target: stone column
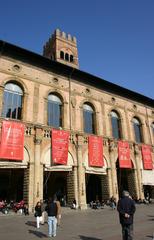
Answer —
(81, 175)
(137, 194)
(113, 170)
(138, 171)
(109, 174)
(38, 174)
(31, 202)
(76, 184)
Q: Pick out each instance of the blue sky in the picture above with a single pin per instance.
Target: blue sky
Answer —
(115, 37)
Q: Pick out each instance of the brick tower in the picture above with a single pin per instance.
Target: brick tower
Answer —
(62, 47)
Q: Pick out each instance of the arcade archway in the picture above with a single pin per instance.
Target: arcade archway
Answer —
(126, 180)
(93, 187)
(11, 184)
(55, 183)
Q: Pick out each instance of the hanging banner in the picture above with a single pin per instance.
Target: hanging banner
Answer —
(124, 155)
(147, 157)
(12, 141)
(95, 150)
(60, 141)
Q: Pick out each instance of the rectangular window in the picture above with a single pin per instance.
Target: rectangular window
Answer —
(88, 122)
(115, 128)
(54, 114)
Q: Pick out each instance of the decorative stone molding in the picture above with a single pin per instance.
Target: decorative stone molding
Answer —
(47, 133)
(28, 131)
(85, 139)
(105, 142)
(38, 140)
(112, 145)
(136, 149)
(113, 100)
(55, 80)
(134, 107)
(80, 139)
(87, 91)
(73, 139)
(16, 68)
(73, 102)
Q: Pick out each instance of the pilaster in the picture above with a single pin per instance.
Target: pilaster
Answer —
(113, 169)
(138, 170)
(38, 173)
(76, 184)
(81, 175)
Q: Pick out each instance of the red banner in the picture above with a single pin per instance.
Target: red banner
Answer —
(95, 145)
(124, 155)
(12, 141)
(147, 157)
(60, 140)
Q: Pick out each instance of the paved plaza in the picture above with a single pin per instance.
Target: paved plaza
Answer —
(90, 224)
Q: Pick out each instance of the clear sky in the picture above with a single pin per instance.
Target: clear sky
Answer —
(115, 37)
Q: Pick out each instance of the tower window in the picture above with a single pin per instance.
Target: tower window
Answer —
(71, 58)
(61, 54)
(66, 57)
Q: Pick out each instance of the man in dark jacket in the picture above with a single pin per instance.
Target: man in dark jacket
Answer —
(126, 209)
(52, 217)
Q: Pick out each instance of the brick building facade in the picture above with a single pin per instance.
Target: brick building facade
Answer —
(41, 79)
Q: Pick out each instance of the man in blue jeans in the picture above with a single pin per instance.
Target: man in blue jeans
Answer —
(52, 217)
(126, 209)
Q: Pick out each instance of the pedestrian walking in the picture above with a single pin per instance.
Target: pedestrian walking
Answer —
(126, 209)
(38, 214)
(58, 211)
(43, 207)
(113, 203)
(52, 217)
(74, 205)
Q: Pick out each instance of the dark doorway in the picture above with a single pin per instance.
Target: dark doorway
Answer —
(122, 176)
(93, 188)
(126, 180)
(147, 191)
(11, 184)
(55, 183)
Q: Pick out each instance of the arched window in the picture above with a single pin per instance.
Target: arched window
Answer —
(137, 130)
(116, 125)
(61, 54)
(66, 56)
(12, 101)
(88, 119)
(71, 58)
(54, 111)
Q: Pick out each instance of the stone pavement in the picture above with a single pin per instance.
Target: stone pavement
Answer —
(89, 224)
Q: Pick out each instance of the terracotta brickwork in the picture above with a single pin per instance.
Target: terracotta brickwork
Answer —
(37, 83)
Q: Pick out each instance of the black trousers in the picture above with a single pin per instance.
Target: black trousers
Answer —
(127, 232)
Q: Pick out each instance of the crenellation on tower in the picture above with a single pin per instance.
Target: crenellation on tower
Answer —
(62, 47)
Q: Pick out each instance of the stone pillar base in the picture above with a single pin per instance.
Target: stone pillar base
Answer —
(83, 207)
